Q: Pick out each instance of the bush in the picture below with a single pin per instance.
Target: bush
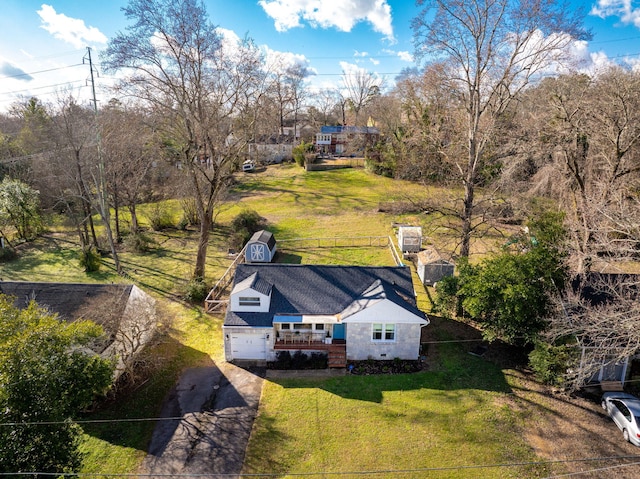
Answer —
(90, 260)
(189, 213)
(7, 254)
(300, 152)
(197, 291)
(551, 362)
(300, 360)
(160, 218)
(243, 227)
(283, 360)
(138, 242)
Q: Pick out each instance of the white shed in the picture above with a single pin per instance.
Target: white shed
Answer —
(410, 239)
(261, 248)
(432, 267)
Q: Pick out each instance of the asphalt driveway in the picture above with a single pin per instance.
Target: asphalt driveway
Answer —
(216, 406)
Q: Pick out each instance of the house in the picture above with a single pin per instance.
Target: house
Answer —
(342, 140)
(269, 149)
(127, 314)
(261, 248)
(410, 239)
(432, 267)
(605, 354)
(350, 312)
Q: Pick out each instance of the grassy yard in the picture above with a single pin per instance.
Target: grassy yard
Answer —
(449, 416)
(454, 420)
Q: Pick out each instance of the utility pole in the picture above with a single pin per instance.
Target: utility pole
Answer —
(101, 182)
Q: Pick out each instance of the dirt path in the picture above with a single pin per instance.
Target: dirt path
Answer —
(217, 406)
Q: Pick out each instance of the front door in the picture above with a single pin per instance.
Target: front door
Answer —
(338, 331)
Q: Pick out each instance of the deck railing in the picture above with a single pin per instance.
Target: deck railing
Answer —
(212, 302)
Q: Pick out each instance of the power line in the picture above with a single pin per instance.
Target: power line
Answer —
(68, 83)
(368, 473)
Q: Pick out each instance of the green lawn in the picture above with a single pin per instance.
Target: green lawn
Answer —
(439, 424)
(451, 416)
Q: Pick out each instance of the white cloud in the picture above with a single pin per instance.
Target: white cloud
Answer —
(326, 14)
(277, 59)
(70, 30)
(623, 9)
(374, 61)
(405, 56)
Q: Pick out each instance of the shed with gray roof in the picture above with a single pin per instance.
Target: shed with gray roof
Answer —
(261, 248)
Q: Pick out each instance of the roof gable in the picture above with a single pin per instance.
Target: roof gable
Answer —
(254, 282)
(376, 293)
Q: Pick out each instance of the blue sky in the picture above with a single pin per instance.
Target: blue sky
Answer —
(43, 43)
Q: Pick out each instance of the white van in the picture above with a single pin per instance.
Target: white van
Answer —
(248, 166)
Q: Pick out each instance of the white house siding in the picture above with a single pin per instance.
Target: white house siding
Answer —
(234, 301)
(360, 345)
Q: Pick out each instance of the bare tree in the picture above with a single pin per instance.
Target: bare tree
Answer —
(360, 87)
(67, 171)
(177, 63)
(130, 151)
(494, 49)
(591, 127)
(602, 315)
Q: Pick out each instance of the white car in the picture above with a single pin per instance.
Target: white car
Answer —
(624, 409)
(248, 166)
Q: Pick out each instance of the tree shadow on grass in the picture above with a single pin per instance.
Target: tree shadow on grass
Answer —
(458, 371)
(450, 364)
(127, 419)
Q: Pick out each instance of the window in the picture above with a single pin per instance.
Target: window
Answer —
(319, 327)
(384, 332)
(285, 326)
(248, 301)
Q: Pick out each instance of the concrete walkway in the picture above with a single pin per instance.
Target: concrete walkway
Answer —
(217, 406)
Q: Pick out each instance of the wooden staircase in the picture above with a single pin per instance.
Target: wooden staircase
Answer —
(337, 356)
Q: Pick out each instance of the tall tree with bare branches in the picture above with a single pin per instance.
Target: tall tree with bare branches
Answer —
(494, 49)
(176, 62)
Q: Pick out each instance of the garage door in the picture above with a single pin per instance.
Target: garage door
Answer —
(249, 346)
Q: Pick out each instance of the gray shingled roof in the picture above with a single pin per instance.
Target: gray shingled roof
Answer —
(321, 289)
(265, 237)
(100, 303)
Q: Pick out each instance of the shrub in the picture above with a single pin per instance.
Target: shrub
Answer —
(283, 360)
(7, 254)
(299, 360)
(197, 291)
(551, 362)
(90, 260)
(138, 242)
(160, 218)
(189, 213)
(243, 227)
(300, 152)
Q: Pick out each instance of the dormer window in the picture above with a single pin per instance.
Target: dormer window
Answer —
(249, 301)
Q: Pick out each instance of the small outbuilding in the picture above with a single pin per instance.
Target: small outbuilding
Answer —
(432, 267)
(410, 239)
(261, 248)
